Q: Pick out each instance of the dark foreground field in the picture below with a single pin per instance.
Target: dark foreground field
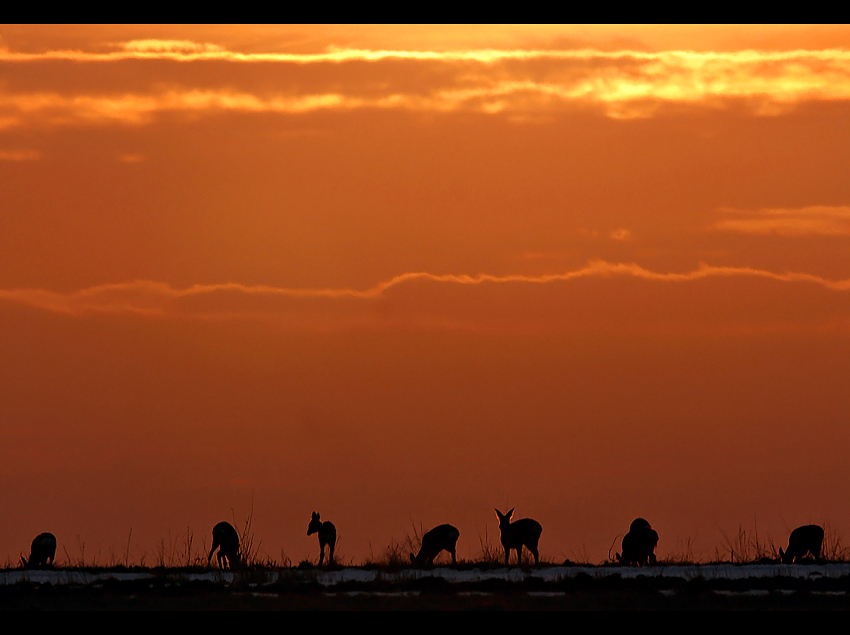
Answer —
(727, 587)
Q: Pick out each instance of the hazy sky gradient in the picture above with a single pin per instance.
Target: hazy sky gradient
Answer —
(406, 275)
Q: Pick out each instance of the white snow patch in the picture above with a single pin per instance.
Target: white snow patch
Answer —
(509, 574)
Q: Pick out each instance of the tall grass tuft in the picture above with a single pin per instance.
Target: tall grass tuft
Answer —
(684, 553)
(832, 550)
(489, 553)
(397, 553)
(80, 562)
(249, 546)
(746, 547)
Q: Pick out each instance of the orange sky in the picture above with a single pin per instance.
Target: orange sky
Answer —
(406, 275)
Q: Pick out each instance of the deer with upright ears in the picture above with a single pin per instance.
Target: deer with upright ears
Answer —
(226, 540)
(42, 551)
(327, 536)
(523, 533)
(442, 538)
(803, 540)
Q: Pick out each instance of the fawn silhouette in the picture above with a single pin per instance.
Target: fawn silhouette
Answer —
(803, 540)
(327, 536)
(639, 544)
(522, 533)
(441, 538)
(226, 540)
(42, 551)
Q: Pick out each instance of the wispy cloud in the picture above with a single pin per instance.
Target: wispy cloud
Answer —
(150, 298)
(131, 158)
(802, 221)
(621, 84)
(169, 47)
(19, 155)
(55, 108)
(187, 50)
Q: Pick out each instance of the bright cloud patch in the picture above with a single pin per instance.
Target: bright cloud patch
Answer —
(169, 46)
(517, 82)
(803, 221)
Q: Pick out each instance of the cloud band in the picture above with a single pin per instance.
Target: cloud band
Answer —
(154, 298)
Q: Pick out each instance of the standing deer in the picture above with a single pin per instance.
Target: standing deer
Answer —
(226, 540)
(523, 533)
(442, 538)
(42, 550)
(639, 544)
(327, 536)
(803, 540)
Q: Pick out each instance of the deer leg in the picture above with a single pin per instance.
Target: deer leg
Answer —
(454, 559)
(212, 551)
(507, 556)
(533, 551)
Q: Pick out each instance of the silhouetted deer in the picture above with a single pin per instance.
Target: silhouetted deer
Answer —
(226, 540)
(442, 538)
(42, 551)
(639, 544)
(523, 533)
(327, 536)
(803, 540)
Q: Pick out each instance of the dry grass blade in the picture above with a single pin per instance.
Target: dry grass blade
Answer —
(397, 553)
(747, 547)
(832, 550)
(490, 553)
(249, 547)
(684, 553)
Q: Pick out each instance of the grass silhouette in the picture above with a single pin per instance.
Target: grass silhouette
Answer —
(184, 551)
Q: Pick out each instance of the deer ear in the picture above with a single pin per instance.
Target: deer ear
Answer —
(510, 513)
(315, 516)
(498, 514)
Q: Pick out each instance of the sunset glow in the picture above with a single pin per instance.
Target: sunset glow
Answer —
(402, 276)
(622, 83)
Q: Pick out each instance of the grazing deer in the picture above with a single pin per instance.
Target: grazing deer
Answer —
(640, 523)
(42, 550)
(442, 538)
(226, 540)
(803, 540)
(639, 544)
(523, 533)
(327, 536)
